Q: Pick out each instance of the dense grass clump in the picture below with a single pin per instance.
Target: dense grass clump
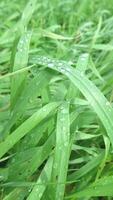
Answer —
(56, 100)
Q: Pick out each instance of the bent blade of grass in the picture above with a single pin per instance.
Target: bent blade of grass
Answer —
(42, 181)
(61, 156)
(94, 96)
(28, 125)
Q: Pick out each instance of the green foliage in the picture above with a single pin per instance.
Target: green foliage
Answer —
(56, 100)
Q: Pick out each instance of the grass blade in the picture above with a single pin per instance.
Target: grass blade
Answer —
(94, 96)
(28, 125)
(61, 156)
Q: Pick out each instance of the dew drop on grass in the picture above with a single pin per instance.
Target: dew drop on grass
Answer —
(20, 50)
(82, 74)
(62, 119)
(60, 64)
(64, 128)
(50, 65)
(37, 189)
(108, 103)
(40, 194)
(22, 42)
(70, 62)
(44, 109)
(60, 147)
(66, 144)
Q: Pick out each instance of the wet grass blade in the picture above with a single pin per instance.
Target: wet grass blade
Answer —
(94, 96)
(44, 177)
(20, 61)
(61, 155)
(28, 125)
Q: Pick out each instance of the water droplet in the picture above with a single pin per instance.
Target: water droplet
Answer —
(64, 128)
(68, 69)
(108, 103)
(44, 109)
(66, 144)
(64, 111)
(82, 74)
(29, 190)
(61, 69)
(70, 62)
(21, 42)
(60, 64)
(62, 119)
(37, 189)
(40, 194)
(50, 65)
(60, 147)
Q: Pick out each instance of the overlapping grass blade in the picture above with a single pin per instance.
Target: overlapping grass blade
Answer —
(94, 96)
(28, 125)
(103, 187)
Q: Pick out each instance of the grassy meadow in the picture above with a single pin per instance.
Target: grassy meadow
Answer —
(56, 100)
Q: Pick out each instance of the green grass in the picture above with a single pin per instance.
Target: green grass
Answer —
(56, 100)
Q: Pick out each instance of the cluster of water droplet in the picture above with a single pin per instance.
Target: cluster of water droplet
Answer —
(61, 66)
(22, 45)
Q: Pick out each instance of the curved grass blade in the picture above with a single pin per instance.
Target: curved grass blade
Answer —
(94, 96)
